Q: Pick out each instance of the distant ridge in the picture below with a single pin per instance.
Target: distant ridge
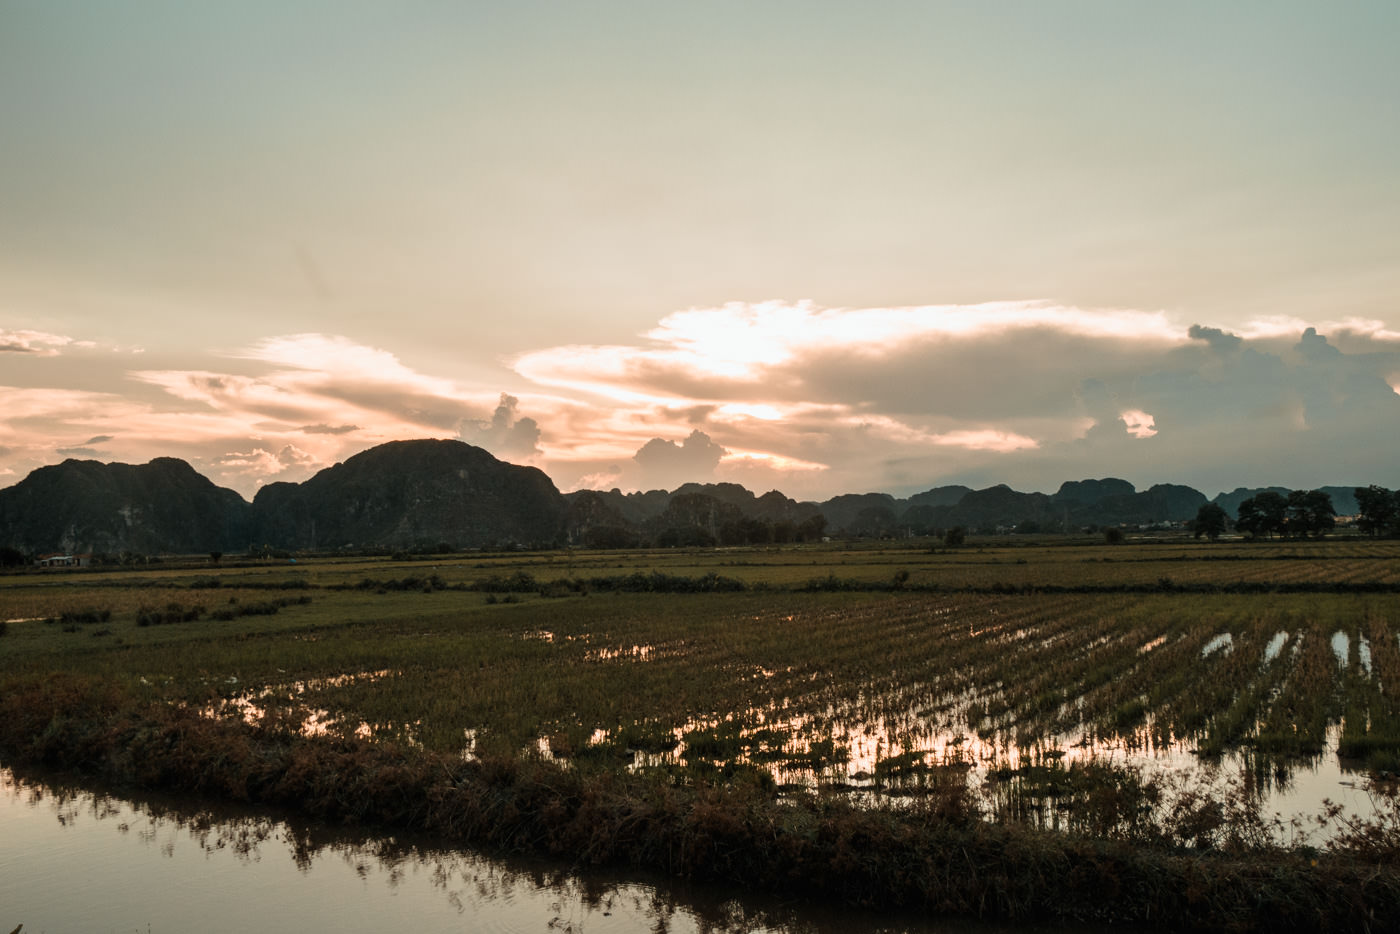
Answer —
(430, 493)
(87, 506)
(408, 493)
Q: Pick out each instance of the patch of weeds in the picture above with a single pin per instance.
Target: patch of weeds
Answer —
(519, 582)
(265, 608)
(820, 754)
(76, 618)
(173, 613)
(645, 737)
(430, 584)
(900, 766)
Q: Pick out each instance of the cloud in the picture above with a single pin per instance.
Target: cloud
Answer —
(506, 434)
(86, 449)
(328, 397)
(1140, 424)
(1221, 341)
(985, 440)
(880, 398)
(338, 355)
(294, 403)
(809, 400)
(1288, 326)
(288, 463)
(1315, 348)
(326, 380)
(39, 343)
(328, 429)
(732, 349)
(665, 464)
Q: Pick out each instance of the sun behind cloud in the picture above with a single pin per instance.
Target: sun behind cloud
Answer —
(786, 395)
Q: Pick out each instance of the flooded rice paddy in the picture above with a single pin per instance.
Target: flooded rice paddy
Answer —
(1009, 697)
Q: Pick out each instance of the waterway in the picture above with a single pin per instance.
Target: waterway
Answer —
(76, 859)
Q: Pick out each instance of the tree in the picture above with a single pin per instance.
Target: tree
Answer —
(1310, 513)
(1379, 510)
(1248, 519)
(1211, 521)
(1263, 515)
(955, 536)
(610, 536)
(1113, 535)
(745, 531)
(811, 529)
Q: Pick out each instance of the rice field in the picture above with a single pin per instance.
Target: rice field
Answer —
(866, 671)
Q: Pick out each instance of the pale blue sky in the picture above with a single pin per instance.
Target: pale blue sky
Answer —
(455, 185)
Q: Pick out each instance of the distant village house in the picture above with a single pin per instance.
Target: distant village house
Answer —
(63, 561)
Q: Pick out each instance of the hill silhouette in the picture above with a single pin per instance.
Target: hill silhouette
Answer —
(433, 493)
(87, 506)
(410, 493)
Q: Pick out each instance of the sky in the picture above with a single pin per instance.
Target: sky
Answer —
(815, 247)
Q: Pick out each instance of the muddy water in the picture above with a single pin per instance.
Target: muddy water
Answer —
(75, 860)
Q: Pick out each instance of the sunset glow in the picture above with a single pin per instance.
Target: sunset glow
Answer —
(635, 245)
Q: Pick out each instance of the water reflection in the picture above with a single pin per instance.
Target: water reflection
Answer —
(76, 859)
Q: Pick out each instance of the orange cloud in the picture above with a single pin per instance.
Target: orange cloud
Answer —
(782, 395)
(743, 343)
(1140, 424)
(39, 343)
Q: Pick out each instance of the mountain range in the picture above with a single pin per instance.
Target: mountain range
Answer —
(429, 494)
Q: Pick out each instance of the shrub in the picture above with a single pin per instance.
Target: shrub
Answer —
(173, 613)
(76, 618)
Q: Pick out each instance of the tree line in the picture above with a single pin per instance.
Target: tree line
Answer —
(1378, 511)
(1301, 514)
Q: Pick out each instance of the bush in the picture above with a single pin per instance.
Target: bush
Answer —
(657, 582)
(88, 615)
(173, 613)
(266, 608)
(519, 582)
(428, 584)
